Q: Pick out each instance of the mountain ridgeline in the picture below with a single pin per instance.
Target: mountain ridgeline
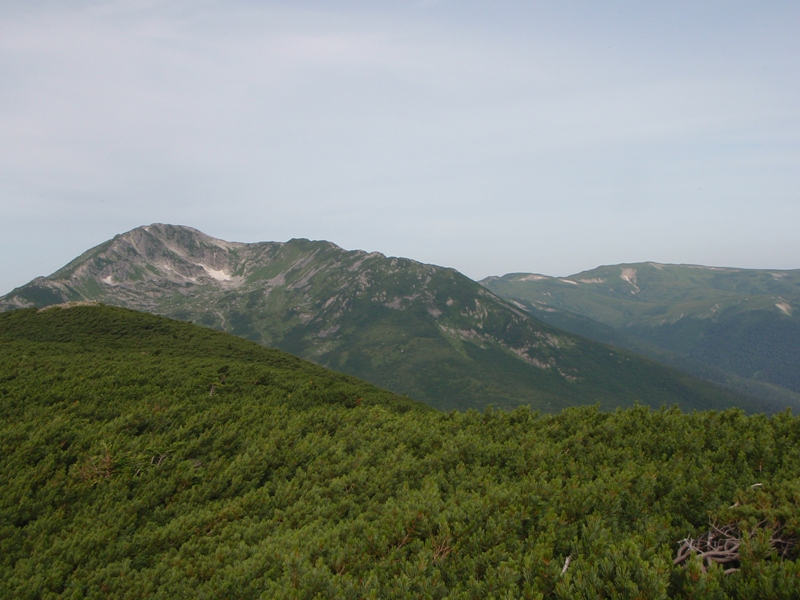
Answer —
(416, 329)
(737, 326)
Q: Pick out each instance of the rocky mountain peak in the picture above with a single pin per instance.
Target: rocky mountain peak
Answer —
(415, 328)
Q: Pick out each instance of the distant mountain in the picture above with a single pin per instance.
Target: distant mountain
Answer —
(738, 326)
(417, 329)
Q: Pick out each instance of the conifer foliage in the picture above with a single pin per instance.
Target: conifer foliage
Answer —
(147, 458)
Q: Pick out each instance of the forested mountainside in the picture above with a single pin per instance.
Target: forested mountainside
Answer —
(148, 458)
(417, 329)
(740, 326)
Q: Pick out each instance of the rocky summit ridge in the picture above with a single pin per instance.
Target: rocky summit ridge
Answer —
(419, 329)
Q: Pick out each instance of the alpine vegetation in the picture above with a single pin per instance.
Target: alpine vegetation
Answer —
(143, 457)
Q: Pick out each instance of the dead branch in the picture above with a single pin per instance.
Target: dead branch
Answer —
(721, 545)
(441, 548)
(566, 564)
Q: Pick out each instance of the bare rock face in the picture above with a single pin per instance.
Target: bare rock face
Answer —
(414, 328)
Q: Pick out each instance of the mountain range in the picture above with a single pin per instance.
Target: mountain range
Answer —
(740, 327)
(417, 329)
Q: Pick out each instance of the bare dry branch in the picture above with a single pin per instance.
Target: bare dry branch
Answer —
(566, 564)
(721, 544)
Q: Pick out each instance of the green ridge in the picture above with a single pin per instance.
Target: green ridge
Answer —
(739, 327)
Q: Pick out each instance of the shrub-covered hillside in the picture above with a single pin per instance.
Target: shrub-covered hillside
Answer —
(142, 457)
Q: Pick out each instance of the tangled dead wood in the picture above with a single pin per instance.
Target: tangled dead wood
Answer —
(721, 545)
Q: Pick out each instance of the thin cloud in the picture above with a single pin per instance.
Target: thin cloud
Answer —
(419, 123)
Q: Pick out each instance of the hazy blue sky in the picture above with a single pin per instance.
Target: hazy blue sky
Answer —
(487, 136)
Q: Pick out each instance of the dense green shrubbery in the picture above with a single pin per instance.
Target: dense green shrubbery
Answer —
(141, 457)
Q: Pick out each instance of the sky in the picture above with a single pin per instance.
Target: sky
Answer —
(492, 137)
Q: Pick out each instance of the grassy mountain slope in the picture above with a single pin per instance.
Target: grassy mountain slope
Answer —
(737, 321)
(606, 334)
(417, 329)
(147, 458)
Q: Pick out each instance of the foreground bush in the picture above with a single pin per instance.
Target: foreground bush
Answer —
(141, 458)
